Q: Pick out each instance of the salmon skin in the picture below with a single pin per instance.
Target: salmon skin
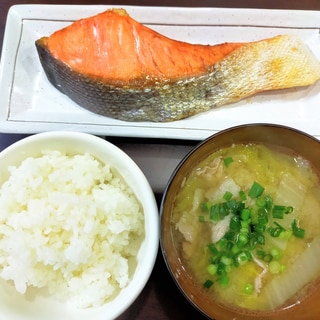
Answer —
(114, 66)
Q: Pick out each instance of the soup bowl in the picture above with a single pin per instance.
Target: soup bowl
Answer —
(303, 303)
(67, 227)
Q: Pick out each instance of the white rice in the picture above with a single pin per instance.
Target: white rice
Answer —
(69, 224)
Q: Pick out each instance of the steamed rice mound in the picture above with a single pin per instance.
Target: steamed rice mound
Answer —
(71, 225)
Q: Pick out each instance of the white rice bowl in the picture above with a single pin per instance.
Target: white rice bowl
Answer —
(72, 275)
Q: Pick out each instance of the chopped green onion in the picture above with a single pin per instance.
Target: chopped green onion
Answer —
(242, 239)
(232, 205)
(260, 227)
(205, 206)
(227, 161)
(267, 257)
(253, 242)
(278, 208)
(226, 261)
(208, 283)
(268, 202)
(279, 211)
(227, 196)
(245, 225)
(245, 214)
(261, 239)
(221, 270)
(261, 202)
(229, 268)
(288, 210)
(277, 214)
(263, 220)
(275, 252)
(223, 243)
(213, 249)
(274, 232)
(276, 267)
(242, 258)
(235, 223)
(279, 225)
(254, 216)
(260, 253)
(297, 231)
(256, 190)
(263, 216)
(230, 235)
(248, 226)
(212, 269)
(235, 249)
(248, 288)
(242, 195)
(215, 212)
(224, 280)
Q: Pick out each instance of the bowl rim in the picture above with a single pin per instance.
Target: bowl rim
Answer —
(224, 131)
(149, 248)
(182, 163)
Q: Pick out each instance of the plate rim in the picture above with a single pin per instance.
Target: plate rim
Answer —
(18, 13)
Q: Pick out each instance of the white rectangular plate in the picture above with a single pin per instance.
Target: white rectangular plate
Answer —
(30, 104)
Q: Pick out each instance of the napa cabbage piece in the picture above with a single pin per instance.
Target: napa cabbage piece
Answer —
(300, 273)
(291, 191)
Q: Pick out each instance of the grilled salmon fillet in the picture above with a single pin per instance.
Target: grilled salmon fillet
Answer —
(115, 66)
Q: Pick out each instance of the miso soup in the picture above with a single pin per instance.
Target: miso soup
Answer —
(247, 224)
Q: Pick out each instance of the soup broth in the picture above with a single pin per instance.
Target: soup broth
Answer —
(247, 222)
